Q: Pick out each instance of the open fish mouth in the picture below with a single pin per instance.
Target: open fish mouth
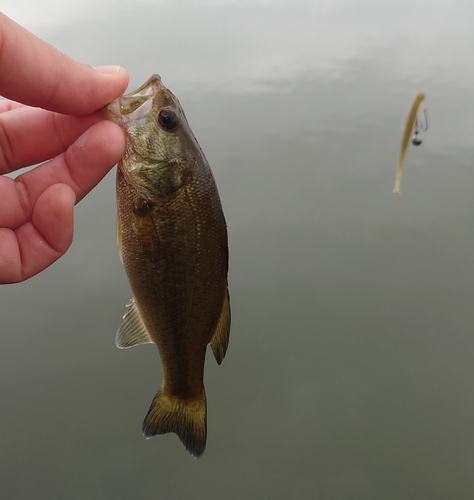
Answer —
(135, 105)
(120, 112)
(112, 112)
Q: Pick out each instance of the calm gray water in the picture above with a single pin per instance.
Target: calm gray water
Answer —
(350, 373)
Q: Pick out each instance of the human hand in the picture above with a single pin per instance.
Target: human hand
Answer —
(58, 123)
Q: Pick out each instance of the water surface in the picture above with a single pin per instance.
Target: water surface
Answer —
(350, 371)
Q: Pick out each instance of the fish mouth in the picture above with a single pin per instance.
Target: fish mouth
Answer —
(134, 105)
(112, 112)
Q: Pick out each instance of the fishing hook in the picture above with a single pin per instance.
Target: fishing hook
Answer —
(421, 125)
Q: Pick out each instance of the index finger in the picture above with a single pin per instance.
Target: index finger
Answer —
(33, 72)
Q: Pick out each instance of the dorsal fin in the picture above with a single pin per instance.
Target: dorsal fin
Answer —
(133, 331)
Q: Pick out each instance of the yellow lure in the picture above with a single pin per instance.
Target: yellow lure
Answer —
(409, 126)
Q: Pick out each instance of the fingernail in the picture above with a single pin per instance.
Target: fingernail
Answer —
(108, 70)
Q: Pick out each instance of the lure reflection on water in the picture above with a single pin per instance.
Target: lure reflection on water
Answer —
(411, 131)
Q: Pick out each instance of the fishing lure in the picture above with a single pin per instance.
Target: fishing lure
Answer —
(411, 131)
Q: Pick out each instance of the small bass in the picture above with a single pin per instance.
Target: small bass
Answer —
(172, 238)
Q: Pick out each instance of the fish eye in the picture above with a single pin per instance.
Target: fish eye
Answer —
(168, 119)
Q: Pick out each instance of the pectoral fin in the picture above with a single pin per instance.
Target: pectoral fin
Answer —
(220, 340)
(133, 331)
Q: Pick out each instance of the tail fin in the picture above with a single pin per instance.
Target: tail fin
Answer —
(185, 418)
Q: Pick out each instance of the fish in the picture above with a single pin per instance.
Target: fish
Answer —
(172, 239)
(407, 133)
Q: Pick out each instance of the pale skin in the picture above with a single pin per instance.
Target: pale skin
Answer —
(51, 116)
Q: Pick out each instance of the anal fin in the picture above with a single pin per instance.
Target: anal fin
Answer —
(132, 332)
(220, 339)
